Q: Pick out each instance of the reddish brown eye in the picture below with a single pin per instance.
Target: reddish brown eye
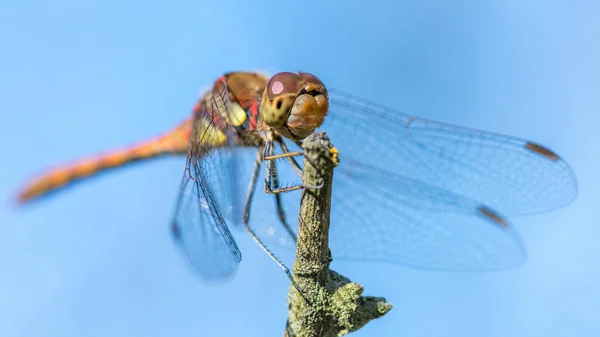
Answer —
(310, 78)
(283, 83)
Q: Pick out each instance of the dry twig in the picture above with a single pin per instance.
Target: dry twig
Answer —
(330, 304)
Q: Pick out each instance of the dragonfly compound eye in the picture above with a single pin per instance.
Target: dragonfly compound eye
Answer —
(279, 97)
(294, 104)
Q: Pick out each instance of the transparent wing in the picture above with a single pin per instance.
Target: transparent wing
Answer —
(209, 195)
(377, 215)
(425, 194)
(512, 175)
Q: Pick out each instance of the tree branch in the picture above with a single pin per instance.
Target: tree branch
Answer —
(330, 304)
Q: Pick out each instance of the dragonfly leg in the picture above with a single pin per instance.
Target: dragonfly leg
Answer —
(252, 187)
(271, 171)
(274, 258)
(280, 210)
(247, 204)
(292, 160)
(284, 155)
(278, 201)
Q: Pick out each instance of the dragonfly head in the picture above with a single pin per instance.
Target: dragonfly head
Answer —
(294, 104)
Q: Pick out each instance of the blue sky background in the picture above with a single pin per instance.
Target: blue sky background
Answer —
(81, 77)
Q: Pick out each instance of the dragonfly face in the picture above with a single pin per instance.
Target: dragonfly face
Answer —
(294, 104)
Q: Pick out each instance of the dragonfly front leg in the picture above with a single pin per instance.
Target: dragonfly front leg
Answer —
(271, 187)
(292, 160)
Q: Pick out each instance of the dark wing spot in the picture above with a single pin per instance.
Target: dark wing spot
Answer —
(493, 216)
(175, 231)
(278, 104)
(542, 151)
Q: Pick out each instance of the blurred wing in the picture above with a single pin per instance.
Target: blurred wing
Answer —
(377, 215)
(209, 195)
(509, 174)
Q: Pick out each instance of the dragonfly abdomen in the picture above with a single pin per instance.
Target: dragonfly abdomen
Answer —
(174, 142)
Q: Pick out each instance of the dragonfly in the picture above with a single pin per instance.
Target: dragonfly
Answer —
(407, 190)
